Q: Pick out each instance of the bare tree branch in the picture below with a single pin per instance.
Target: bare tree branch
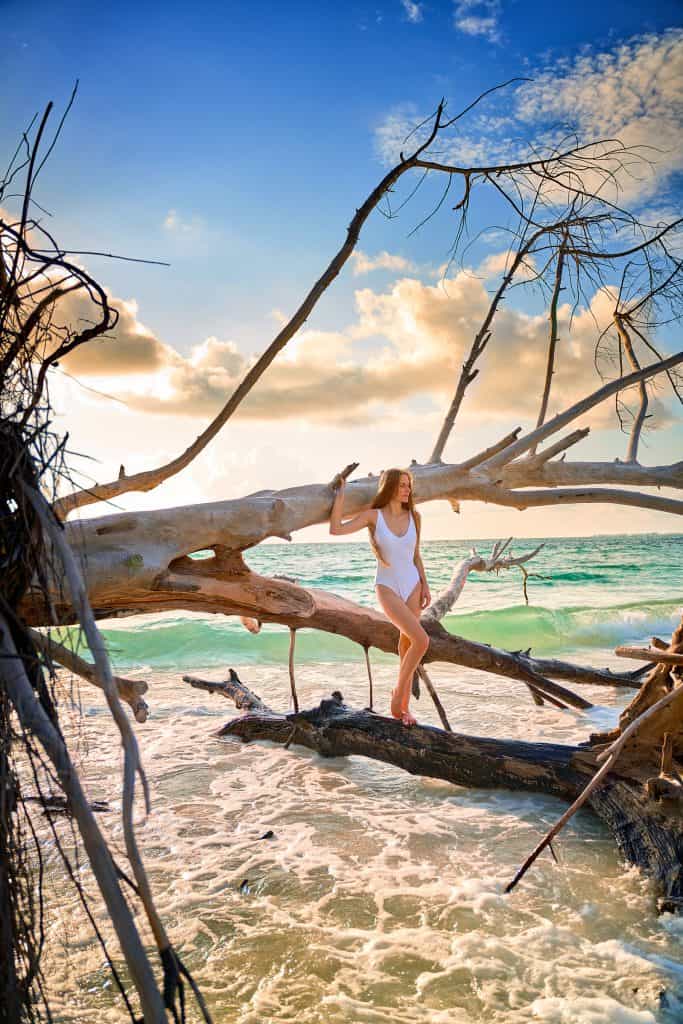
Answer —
(627, 345)
(130, 690)
(579, 408)
(34, 719)
(553, 340)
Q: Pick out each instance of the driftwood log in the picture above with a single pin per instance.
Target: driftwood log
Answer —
(648, 832)
(225, 585)
(139, 562)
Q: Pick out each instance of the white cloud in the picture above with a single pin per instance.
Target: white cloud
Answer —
(413, 10)
(364, 264)
(175, 224)
(478, 18)
(279, 317)
(497, 263)
(391, 133)
(419, 335)
(632, 92)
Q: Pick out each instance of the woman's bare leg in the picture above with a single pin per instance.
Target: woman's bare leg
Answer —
(403, 645)
(413, 603)
(407, 621)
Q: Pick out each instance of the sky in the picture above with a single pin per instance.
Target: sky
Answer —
(233, 143)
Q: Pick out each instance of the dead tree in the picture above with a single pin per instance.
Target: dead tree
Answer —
(34, 554)
(55, 571)
(641, 801)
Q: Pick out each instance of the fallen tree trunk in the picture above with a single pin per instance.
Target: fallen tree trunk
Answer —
(226, 585)
(648, 833)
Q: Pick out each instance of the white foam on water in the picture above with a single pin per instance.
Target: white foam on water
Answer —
(600, 1010)
(380, 896)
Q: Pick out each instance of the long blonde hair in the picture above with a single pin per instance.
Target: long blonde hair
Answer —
(388, 486)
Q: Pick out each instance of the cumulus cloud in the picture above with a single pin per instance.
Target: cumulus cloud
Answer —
(364, 264)
(129, 349)
(497, 263)
(406, 342)
(279, 317)
(394, 128)
(632, 92)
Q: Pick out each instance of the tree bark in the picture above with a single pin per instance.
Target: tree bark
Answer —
(130, 690)
(248, 594)
(648, 833)
(641, 415)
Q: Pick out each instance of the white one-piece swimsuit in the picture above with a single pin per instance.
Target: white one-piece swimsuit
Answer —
(401, 574)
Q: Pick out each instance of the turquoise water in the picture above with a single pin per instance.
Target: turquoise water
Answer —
(380, 897)
(593, 593)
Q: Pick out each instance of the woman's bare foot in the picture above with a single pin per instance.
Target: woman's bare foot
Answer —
(398, 712)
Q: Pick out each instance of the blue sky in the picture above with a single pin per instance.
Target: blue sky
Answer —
(235, 142)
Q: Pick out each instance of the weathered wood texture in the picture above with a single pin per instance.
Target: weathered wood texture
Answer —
(648, 833)
(662, 687)
(225, 585)
(130, 690)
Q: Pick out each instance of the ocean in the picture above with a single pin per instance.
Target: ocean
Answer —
(379, 897)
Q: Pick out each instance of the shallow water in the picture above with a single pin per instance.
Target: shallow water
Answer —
(585, 592)
(380, 896)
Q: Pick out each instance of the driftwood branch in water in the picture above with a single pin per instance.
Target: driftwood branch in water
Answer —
(231, 688)
(556, 669)
(292, 681)
(646, 725)
(203, 586)
(132, 764)
(610, 758)
(447, 598)
(225, 584)
(659, 683)
(130, 690)
(34, 719)
(422, 673)
(474, 563)
(647, 835)
(650, 654)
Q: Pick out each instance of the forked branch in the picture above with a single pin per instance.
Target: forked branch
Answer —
(474, 563)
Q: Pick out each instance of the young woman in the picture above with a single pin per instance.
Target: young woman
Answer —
(400, 582)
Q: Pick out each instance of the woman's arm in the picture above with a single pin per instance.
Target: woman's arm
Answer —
(420, 567)
(360, 520)
(425, 596)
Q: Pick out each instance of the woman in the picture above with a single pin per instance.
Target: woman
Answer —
(400, 581)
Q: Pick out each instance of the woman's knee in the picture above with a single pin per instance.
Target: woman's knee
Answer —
(424, 640)
(420, 640)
